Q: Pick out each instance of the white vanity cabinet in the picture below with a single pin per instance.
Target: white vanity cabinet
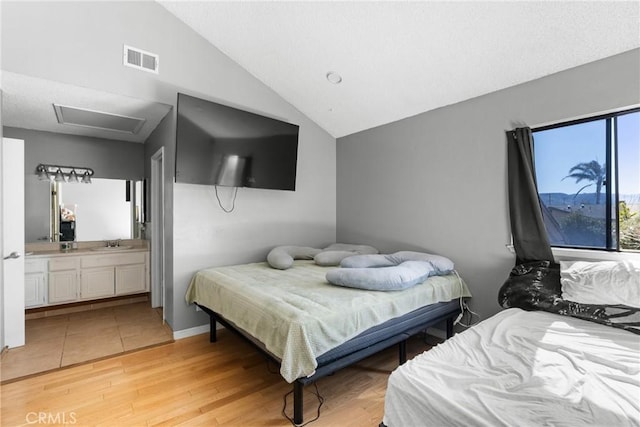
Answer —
(63, 279)
(35, 282)
(113, 274)
(85, 276)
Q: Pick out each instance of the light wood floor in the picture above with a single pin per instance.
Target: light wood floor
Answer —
(77, 337)
(194, 382)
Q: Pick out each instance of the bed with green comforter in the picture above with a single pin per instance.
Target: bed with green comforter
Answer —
(298, 316)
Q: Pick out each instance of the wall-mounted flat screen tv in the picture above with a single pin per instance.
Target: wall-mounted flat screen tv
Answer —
(221, 145)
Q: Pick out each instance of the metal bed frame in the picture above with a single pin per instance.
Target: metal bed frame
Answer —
(371, 341)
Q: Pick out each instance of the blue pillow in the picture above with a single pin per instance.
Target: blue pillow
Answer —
(442, 265)
(391, 272)
(395, 278)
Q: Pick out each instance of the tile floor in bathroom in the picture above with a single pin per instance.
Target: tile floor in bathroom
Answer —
(69, 339)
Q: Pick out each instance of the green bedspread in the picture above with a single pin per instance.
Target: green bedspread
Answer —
(298, 315)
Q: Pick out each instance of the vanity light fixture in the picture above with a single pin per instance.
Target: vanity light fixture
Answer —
(58, 176)
(73, 177)
(64, 173)
(42, 173)
(86, 177)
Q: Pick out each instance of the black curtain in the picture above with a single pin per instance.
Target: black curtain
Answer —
(527, 224)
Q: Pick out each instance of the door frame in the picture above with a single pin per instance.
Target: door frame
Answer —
(157, 231)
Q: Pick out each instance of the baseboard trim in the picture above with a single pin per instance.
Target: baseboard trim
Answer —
(186, 333)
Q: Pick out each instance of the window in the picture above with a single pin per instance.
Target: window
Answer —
(588, 177)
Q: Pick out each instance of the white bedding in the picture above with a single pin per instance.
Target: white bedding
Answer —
(298, 315)
(603, 282)
(521, 368)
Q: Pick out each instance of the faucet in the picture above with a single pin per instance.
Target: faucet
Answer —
(113, 243)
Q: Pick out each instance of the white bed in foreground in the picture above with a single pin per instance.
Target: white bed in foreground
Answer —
(521, 368)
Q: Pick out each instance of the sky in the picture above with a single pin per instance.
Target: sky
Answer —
(557, 150)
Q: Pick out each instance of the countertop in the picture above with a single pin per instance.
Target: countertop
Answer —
(37, 250)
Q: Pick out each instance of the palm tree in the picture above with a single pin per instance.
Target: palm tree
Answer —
(590, 171)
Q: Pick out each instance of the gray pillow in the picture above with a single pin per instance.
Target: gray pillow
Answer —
(333, 254)
(281, 257)
(361, 249)
(328, 258)
(368, 261)
(395, 278)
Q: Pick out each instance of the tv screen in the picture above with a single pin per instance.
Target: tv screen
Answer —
(221, 145)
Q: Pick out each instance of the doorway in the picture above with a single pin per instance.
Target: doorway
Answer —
(157, 231)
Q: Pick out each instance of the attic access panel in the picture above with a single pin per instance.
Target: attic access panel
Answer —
(96, 119)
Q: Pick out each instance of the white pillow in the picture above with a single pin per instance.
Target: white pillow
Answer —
(603, 282)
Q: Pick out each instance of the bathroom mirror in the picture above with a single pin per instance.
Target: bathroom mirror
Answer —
(102, 145)
(106, 209)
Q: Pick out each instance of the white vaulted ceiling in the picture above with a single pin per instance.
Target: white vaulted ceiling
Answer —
(399, 59)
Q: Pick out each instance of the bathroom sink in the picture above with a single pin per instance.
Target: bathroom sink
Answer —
(111, 248)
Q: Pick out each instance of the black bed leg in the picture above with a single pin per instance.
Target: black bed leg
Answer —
(449, 327)
(402, 352)
(212, 329)
(297, 402)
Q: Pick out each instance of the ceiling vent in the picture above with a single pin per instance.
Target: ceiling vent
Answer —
(97, 120)
(140, 59)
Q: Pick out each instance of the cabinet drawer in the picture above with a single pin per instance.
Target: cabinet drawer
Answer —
(112, 259)
(63, 263)
(35, 266)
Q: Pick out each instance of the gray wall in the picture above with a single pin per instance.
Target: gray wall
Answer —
(438, 181)
(108, 158)
(43, 39)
